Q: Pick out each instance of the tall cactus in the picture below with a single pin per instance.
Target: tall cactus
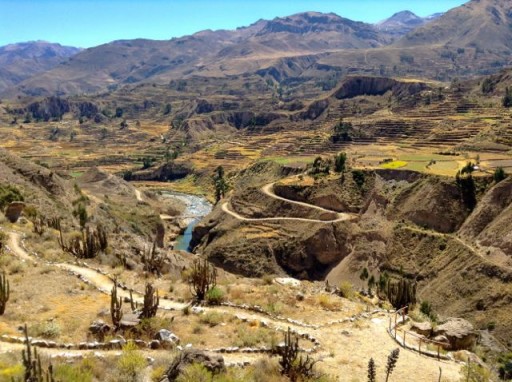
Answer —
(401, 293)
(86, 246)
(4, 292)
(32, 364)
(116, 305)
(203, 276)
(151, 301)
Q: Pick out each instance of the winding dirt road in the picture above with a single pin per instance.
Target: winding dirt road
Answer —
(268, 190)
(367, 337)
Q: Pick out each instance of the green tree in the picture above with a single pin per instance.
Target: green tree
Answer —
(363, 276)
(358, 177)
(219, 183)
(28, 118)
(167, 109)
(119, 112)
(147, 162)
(371, 284)
(340, 162)
(342, 132)
(499, 174)
(507, 98)
(9, 194)
(80, 212)
(487, 86)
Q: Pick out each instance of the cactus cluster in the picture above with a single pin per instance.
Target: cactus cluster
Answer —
(293, 365)
(34, 372)
(87, 245)
(153, 261)
(4, 292)
(401, 293)
(150, 304)
(202, 278)
(116, 305)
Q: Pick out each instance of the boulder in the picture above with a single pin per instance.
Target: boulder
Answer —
(443, 341)
(423, 328)
(459, 333)
(155, 344)
(99, 327)
(167, 338)
(212, 362)
(129, 321)
(14, 210)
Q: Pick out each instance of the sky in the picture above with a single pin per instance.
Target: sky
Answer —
(86, 23)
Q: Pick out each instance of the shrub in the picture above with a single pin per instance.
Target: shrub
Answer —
(358, 177)
(214, 296)
(499, 174)
(72, 373)
(252, 337)
(267, 279)
(131, 363)
(472, 372)
(346, 290)
(328, 302)
(507, 98)
(211, 319)
(48, 329)
(195, 373)
(339, 162)
(9, 194)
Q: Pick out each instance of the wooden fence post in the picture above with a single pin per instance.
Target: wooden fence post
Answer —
(404, 337)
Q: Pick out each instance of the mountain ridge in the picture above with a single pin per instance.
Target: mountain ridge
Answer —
(439, 47)
(20, 61)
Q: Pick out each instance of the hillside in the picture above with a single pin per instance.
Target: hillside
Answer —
(484, 25)
(206, 53)
(395, 221)
(403, 22)
(23, 60)
(297, 48)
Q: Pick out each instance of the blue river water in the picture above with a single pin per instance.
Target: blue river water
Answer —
(196, 207)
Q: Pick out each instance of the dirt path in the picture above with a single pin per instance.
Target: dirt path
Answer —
(138, 195)
(15, 247)
(345, 347)
(269, 191)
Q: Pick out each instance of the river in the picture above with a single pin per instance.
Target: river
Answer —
(196, 207)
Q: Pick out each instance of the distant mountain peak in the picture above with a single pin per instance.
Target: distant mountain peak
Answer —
(307, 22)
(403, 22)
(404, 16)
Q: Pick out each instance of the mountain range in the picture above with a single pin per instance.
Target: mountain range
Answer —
(23, 60)
(474, 38)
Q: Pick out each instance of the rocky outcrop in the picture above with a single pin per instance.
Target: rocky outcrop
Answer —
(376, 86)
(166, 172)
(459, 333)
(203, 106)
(212, 363)
(315, 109)
(51, 107)
(423, 328)
(490, 221)
(13, 211)
(433, 203)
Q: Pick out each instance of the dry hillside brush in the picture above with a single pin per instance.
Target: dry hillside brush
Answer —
(408, 224)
